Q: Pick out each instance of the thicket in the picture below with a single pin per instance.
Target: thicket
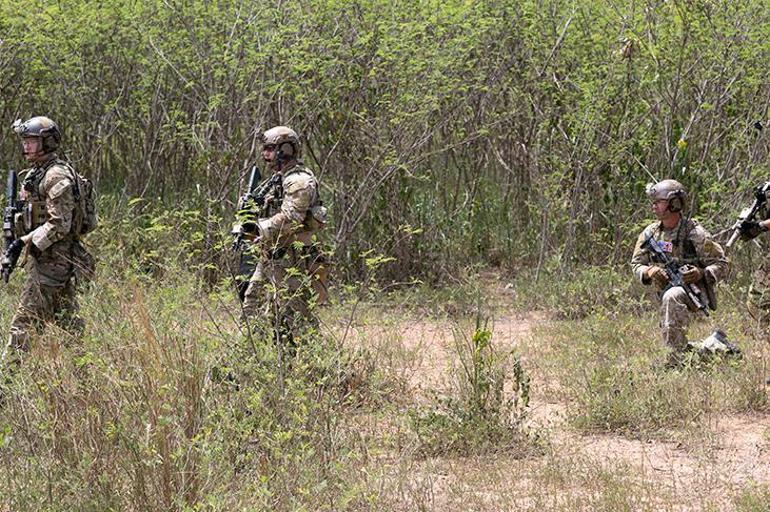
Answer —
(445, 132)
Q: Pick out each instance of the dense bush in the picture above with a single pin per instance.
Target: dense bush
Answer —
(513, 132)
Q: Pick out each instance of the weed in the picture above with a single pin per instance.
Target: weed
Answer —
(585, 291)
(487, 406)
(614, 382)
(755, 499)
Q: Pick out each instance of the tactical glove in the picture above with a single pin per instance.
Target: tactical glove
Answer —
(657, 275)
(691, 274)
(750, 229)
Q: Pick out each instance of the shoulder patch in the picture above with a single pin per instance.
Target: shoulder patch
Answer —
(59, 188)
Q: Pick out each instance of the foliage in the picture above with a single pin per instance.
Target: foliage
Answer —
(167, 404)
(486, 409)
(614, 376)
(581, 292)
(503, 132)
(753, 500)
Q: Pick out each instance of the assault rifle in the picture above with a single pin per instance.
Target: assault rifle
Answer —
(674, 272)
(12, 245)
(245, 213)
(251, 205)
(748, 213)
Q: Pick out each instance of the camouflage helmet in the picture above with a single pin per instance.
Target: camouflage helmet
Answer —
(284, 138)
(668, 190)
(40, 126)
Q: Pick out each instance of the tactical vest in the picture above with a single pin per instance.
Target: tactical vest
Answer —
(34, 213)
(316, 215)
(684, 247)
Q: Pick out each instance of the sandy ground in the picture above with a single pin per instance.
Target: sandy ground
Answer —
(737, 455)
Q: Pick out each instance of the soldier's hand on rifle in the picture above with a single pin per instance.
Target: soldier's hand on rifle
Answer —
(691, 274)
(657, 275)
(750, 229)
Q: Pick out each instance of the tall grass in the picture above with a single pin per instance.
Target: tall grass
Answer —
(166, 403)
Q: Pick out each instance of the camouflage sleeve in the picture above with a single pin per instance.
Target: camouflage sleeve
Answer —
(715, 263)
(299, 191)
(60, 208)
(640, 261)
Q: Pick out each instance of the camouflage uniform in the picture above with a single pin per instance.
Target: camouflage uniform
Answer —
(55, 254)
(285, 285)
(758, 300)
(689, 243)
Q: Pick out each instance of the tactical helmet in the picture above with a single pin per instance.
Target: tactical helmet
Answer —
(284, 138)
(669, 190)
(40, 126)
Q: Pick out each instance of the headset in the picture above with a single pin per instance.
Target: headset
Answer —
(286, 150)
(676, 200)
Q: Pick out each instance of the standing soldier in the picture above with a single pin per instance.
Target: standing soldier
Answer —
(50, 225)
(289, 277)
(749, 228)
(687, 243)
(759, 292)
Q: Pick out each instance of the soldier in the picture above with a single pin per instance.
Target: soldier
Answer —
(759, 292)
(758, 301)
(688, 243)
(290, 275)
(51, 225)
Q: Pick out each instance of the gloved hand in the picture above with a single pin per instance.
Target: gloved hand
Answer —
(750, 229)
(657, 275)
(691, 274)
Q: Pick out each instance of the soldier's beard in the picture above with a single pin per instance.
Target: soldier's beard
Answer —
(33, 157)
(272, 165)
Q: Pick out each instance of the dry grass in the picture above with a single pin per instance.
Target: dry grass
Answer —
(141, 413)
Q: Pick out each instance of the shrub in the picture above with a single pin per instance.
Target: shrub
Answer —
(487, 405)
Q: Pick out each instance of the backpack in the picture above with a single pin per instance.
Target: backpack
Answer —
(87, 201)
(85, 196)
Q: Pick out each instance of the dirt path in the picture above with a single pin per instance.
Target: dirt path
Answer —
(421, 350)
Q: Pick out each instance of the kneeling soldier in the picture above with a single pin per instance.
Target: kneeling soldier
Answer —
(700, 260)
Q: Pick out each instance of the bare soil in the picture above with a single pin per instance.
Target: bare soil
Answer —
(736, 456)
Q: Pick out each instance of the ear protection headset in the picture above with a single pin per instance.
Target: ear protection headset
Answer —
(286, 149)
(676, 200)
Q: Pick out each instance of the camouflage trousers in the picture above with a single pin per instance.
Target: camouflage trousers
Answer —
(41, 304)
(49, 295)
(759, 296)
(676, 310)
(280, 293)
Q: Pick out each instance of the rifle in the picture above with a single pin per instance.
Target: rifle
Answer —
(674, 272)
(245, 211)
(251, 206)
(748, 214)
(13, 246)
